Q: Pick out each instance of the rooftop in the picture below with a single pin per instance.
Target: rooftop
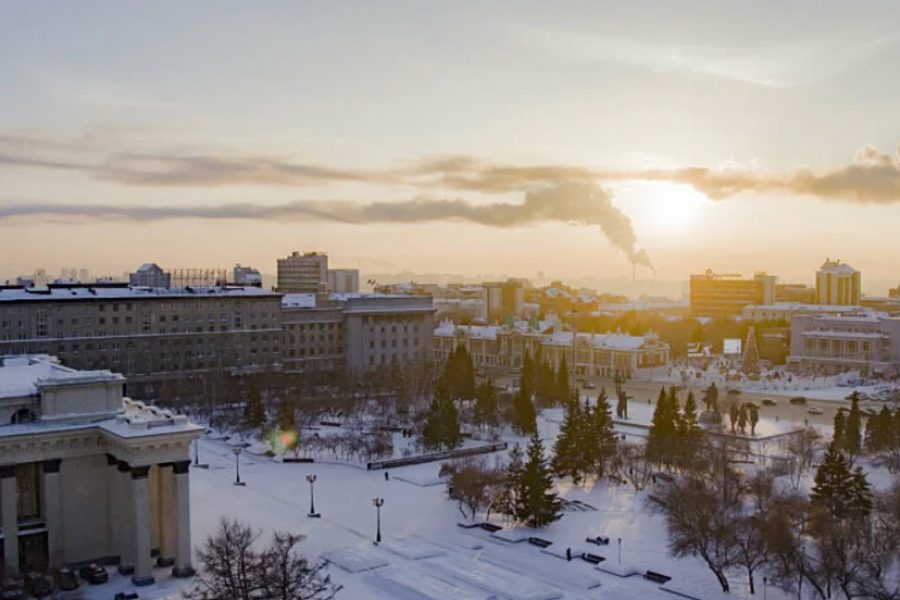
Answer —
(22, 376)
(126, 293)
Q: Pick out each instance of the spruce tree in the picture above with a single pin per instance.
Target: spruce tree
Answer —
(286, 421)
(602, 438)
(441, 429)
(565, 462)
(837, 488)
(254, 412)
(540, 504)
(689, 432)
(837, 436)
(524, 419)
(486, 405)
(513, 485)
(852, 427)
(563, 389)
(662, 431)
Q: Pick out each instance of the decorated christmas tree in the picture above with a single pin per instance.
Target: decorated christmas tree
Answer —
(750, 358)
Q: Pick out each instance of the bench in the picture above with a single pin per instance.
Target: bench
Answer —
(469, 525)
(491, 527)
(598, 541)
(594, 559)
(657, 577)
(539, 542)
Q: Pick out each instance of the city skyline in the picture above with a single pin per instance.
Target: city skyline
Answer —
(569, 147)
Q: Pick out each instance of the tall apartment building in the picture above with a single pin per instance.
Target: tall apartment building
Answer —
(838, 283)
(343, 281)
(305, 273)
(726, 295)
(503, 300)
(169, 343)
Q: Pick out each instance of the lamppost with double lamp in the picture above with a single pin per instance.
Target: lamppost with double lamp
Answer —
(378, 502)
(311, 478)
(237, 466)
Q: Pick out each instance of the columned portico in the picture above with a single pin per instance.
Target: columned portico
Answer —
(114, 514)
(10, 518)
(53, 513)
(182, 476)
(140, 520)
(123, 503)
(166, 516)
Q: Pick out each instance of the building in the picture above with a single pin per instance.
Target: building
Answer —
(869, 343)
(798, 293)
(726, 295)
(150, 275)
(785, 311)
(88, 475)
(305, 273)
(169, 343)
(505, 347)
(838, 283)
(503, 300)
(343, 281)
(246, 276)
(355, 333)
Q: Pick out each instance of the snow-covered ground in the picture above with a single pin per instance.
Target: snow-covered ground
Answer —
(425, 555)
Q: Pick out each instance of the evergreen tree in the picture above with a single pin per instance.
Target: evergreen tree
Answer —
(254, 412)
(566, 462)
(879, 431)
(286, 420)
(539, 504)
(601, 437)
(750, 358)
(837, 436)
(563, 389)
(852, 434)
(523, 418)
(711, 398)
(513, 485)
(662, 431)
(838, 489)
(689, 433)
(545, 388)
(486, 405)
(441, 429)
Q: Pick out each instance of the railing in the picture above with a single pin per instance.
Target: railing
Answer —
(434, 456)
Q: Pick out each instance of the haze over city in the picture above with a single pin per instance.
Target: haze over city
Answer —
(449, 300)
(502, 138)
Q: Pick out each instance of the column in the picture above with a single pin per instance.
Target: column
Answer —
(140, 523)
(125, 537)
(167, 512)
(183, 566)
(114, 511)
(10, 518)
(53, 513)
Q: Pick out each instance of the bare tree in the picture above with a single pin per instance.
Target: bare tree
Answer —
(472, 483)
(803, 447)
(230, 568)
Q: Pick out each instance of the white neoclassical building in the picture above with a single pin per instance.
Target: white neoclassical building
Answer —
(88, 475)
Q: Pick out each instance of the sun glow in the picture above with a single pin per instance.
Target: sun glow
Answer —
(673, 208)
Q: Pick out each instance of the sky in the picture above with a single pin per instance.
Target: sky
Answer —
(578, 139)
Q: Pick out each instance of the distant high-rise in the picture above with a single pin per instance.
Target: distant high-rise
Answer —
(838, 284)
(343, 281)
(503, 300)
(305, 273)
(722, 295)
(246, 276)
(150, 275)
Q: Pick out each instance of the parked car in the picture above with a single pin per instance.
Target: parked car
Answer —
(94, 574)
(768, 402)
(815, 410)
(589, 385)
(798, 400)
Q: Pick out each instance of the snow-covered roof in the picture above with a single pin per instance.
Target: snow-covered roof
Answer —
(836, 266)
(126, 293)
(21, 376)
(846, 334)
(298, 301)
(803, 307)
(612, 341)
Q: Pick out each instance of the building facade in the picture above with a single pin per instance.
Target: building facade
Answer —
(150, 275)
(303, 273)
(169, 343)
(343, 281)
(838, 283)
(726, 295)
(869, 343)
(87, 475)
(505, 347)
(503, 300)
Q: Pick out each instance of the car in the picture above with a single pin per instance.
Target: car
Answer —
(589, 385)
(768, 402)
(94, 574)
(798, 400)
(815, 410)
(733, 391)
(66, 579)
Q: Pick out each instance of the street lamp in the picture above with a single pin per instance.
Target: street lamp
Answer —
(311, 478)
(378, 502)
(237, 466)
(620, 551)
(765, 587)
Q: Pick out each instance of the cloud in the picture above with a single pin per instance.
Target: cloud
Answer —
(576, 203)
(872, 177)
